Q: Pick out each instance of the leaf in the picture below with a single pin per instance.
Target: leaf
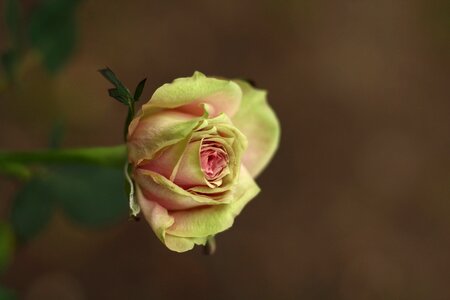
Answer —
(6, 246)
(90, 195)
(139, 89)
(32, 209)
(12, 18)
(52, 31)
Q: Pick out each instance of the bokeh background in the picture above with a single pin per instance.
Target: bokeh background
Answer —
(355, 205)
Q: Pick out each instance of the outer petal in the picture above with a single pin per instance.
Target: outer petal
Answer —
(209, 220)
(180, 244)
(159, 189)
(159, 220)
(187, 94)
(157, 216)
(181, 230)
(259, 124)
(149, 133)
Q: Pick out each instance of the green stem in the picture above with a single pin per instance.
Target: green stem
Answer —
(103, 156)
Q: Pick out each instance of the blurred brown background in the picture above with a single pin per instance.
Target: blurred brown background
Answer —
(355, 204)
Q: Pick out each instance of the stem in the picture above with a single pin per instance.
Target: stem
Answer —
(103, 156)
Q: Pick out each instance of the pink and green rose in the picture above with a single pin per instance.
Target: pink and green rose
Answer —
(196, 148)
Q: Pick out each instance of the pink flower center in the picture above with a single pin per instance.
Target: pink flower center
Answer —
(214, 159)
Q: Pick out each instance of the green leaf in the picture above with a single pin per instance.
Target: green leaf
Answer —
(12, 18)
(7, 294)
(90, 195)
(6, 245)
(32, 209)
(139, 89)
(52, 31)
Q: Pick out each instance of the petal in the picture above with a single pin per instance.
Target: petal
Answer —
(179, 163)
(157, 216)
(159, 220)
(182, 244)
(188, 93)
(209, 220)
(159, 189)
(189, 172)
(259, 124)
(151, 132)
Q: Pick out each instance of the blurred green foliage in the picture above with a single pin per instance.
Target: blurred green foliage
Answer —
(89, 195)
(10, 57)
(52, 31)
(6, 294)
(32, 208)
(6, 245)
(15, 170)
(12, 18)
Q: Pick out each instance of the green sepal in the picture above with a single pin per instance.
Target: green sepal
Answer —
(111, 77)
(139, 89)
(120, 95)
(120, 92)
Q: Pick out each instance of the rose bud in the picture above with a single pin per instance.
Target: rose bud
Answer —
(195, 148)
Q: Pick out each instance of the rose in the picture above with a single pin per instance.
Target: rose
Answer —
(195, 148)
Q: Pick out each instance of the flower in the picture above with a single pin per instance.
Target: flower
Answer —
(195, 148)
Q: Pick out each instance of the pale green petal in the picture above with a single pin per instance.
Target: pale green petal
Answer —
(183, 244)
(159, 220)
(259, 124)
(188, 93)
(159, 189)
(151, 133)
(157, 216)
(209, 220)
